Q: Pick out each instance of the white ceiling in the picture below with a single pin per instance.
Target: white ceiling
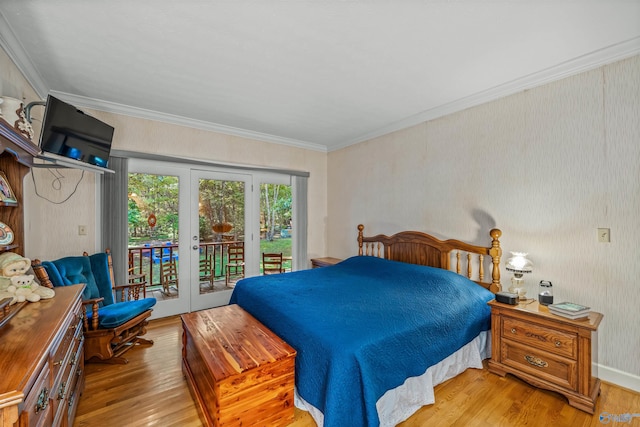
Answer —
(317, 74)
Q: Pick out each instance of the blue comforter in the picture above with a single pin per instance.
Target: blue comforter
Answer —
(363, 326)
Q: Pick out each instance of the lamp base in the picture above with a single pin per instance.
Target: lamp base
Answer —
(517, 287)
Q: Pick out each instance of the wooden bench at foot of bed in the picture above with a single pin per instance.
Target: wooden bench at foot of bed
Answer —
(239, 372)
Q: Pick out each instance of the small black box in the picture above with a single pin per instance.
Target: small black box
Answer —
(507, 298)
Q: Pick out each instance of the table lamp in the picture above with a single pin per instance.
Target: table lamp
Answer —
(518, 264)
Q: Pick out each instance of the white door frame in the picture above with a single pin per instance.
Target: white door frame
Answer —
(172, 306)
(200, 301)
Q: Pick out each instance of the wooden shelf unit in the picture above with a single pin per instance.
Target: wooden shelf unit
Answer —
(16, 159)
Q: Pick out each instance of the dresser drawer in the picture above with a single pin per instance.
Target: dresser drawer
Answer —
(545, 365)
(62, 349)
(544, 338)
(37, 409)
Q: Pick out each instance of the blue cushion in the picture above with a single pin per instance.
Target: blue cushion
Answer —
(100, 268)
(114, 315)
(71, 271)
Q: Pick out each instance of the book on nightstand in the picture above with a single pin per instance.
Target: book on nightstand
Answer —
(569, 310)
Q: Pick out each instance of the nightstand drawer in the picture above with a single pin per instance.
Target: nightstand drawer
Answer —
(547, 366)
(544, 338)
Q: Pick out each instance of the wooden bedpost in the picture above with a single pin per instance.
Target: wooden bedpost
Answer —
(496, 253)
(360, 236)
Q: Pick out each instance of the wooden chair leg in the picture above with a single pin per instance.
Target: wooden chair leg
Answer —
(144, 342)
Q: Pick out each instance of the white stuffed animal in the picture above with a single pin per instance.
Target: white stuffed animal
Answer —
(16, 284)
(25, 289)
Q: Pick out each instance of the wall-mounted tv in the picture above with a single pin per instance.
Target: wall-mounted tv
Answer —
(70, 133)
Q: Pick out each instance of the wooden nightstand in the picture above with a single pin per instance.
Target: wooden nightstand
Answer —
(546, 350)
(324, 262)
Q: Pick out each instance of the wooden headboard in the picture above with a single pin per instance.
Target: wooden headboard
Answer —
(415, 247)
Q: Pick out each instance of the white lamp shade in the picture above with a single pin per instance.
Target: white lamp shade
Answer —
(519, 263)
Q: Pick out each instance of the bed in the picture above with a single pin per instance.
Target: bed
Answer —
(376, 332)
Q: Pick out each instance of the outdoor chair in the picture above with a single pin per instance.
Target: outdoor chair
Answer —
(169, 276)
(272, 263)
(110, 327)
(207, 270)
(235, 262)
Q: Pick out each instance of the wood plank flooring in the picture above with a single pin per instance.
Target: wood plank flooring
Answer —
(151, 391)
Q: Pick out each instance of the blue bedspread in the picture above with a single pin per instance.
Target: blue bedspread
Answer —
(363, 326)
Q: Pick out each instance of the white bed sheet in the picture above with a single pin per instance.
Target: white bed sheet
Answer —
(403, 401)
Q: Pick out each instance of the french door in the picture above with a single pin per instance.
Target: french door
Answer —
(158, 238)
(186, 220)
(219, 212)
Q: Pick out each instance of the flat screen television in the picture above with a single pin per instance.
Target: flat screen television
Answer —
(70, 133)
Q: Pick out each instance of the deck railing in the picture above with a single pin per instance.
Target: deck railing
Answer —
(148, 259)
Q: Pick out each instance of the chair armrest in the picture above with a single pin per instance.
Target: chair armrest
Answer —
(93, 302)
(129, 291)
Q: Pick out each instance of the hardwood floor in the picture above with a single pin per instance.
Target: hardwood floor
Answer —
(151, 391)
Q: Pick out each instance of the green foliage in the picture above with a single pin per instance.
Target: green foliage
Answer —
(221, 202)
(153, 194)
(275, 206)
(276, 246)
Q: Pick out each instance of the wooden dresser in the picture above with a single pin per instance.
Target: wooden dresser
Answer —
(239, 372)
(42, 362)
(546, 350)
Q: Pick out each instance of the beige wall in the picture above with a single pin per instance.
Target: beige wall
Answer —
(51, 226)
(548, 166)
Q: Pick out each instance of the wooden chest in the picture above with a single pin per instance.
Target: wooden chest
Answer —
(240, 373)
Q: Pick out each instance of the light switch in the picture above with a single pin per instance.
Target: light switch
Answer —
(604, 235)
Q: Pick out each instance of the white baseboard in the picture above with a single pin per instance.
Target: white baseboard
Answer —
(619, 378)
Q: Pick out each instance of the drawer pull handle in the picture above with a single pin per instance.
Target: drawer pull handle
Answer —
(536, 361)
(59, 362)
(558, 343)
(62, 390)
(43, 400)
(513, 330)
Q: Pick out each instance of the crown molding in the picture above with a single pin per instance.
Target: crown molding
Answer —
(572, 67)
(112, 107)
(12, 46)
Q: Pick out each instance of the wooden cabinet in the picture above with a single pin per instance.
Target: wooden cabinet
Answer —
(16, 158)
(546, 350)
(42, 355)
(324, 262)
(43, 362)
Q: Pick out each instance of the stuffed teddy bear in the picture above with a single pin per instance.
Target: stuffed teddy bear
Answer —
(27, 289)
(14, 283)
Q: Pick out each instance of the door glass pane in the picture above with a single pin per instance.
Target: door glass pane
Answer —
(222, 235)
(276, 227)
(153, 233)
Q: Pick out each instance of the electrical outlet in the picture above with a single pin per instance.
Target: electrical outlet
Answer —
(604, 235)
(82, 230)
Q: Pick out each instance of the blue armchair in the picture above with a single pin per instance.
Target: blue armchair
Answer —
(110, 327)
